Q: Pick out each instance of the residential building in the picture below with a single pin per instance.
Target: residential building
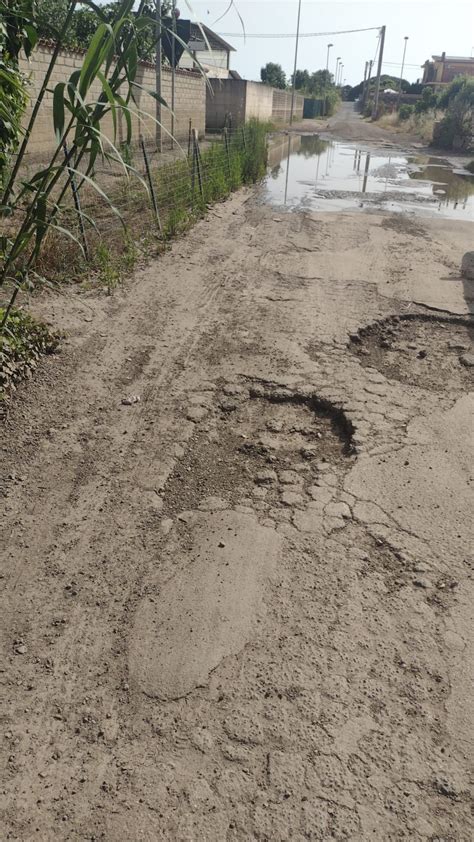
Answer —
(216, 60)
(441, 70)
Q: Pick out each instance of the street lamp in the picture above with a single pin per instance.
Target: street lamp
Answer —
(337, 69)
(401, 72)
(326, 80)
(341, 68)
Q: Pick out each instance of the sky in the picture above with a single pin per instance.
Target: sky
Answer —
(431, 26)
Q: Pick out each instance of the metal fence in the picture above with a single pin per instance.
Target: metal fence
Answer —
(161, 195)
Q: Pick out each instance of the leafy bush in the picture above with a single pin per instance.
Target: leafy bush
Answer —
(428, 101)
(22, 343)
(470, 166)
(457, 127)
(405, 111)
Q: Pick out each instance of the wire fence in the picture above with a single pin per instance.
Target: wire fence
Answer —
(119, 214)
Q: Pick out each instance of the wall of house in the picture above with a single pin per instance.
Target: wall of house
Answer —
(190, 100)
(214, 59)
(245, 100)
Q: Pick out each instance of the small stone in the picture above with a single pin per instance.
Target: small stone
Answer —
(355, 338)
(457, 346)
(421, 583)
(166, 525)
(467, 360)
(221, 544)
(20, 649)
(131, 400)
(228, 406)
(309, 452)
(266, 477)
(422, 354)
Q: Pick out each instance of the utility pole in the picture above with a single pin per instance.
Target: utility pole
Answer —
(401, 73)
(293, 90)
(379, 73)
(159, 146)
(364, 84)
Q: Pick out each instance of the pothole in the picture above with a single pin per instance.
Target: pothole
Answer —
(264, 447)
(432, 352)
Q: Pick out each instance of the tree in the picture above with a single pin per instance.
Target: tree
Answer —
(301, 80)
(51, 15)
(273, 74)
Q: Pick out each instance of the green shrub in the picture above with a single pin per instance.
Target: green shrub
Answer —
(405, 112)
(470, 166)
(22, 343)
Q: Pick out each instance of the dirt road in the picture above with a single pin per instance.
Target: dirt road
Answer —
(241, 607)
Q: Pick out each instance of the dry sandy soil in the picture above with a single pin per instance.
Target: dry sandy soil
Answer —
(241, 608)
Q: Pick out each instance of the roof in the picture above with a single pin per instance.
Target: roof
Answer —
(467, 59)
(215, 41)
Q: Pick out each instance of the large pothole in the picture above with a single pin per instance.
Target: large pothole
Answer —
(263, 445)
(432, 352)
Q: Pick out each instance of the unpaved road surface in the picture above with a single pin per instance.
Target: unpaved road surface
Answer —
(241, 608)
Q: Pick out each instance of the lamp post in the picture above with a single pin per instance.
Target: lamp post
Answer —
(401, 72)
(337, 70)
(341, 68)
(293, 90)
(326, 80)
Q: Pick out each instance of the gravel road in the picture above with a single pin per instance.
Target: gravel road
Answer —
(240, 607)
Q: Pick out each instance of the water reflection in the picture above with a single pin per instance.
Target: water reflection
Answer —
(307, 171)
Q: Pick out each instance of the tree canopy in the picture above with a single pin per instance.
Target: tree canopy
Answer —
(51, 14)
(315, 84)
(273, 74)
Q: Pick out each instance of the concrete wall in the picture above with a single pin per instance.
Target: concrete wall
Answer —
(281, 108)
(245, 100)
(259, 101)
(190, 99)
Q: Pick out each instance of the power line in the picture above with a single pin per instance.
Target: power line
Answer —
(302, 34)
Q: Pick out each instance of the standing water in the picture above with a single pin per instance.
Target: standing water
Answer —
(307, 172)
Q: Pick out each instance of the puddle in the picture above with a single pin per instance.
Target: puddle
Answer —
(308, 172)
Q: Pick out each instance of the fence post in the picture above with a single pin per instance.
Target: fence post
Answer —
(226, 144)
(197, 155)
(77, 202)
(151, 185)
(190, 134)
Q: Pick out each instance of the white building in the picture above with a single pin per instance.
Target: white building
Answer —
(216, 61)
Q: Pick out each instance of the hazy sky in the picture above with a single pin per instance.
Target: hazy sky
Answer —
(432, 26)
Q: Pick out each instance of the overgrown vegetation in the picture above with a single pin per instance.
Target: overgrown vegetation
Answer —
(16, 36)
(319, 85)
(454, 130)
(22, 343)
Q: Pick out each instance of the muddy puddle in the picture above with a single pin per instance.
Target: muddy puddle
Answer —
(308, 172)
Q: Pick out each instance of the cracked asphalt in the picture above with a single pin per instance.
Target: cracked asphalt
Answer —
(241, 608)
